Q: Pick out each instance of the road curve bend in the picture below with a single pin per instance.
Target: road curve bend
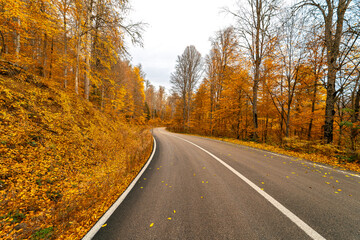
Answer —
(199, 188)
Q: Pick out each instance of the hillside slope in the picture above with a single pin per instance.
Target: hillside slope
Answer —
(62, 161)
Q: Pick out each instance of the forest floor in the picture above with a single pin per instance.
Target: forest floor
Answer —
(317, 153)
(62, 161)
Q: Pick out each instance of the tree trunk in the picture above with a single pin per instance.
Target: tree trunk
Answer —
(266, 128)
(51, 57)
(257, 67)
(102, 103)
(341, 115)
(332, 43)
(255, 96)
(44, 57)
(211, 109)
(287, 125)
(355, 115)
(184, 112)
(87, 69)
(2, 44)
(88, 53)
(77, 68)
(312, 109)
(17, 39)
(65, 52)
(188, 109)
(239, 117)
(330, 104)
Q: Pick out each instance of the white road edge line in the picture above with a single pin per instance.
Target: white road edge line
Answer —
(307, 162)
(300, 223)
(112, 209)
(341, 171)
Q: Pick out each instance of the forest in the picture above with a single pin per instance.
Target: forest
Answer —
(286, 76)
(75, 113)
(79, 45)
(73, 132)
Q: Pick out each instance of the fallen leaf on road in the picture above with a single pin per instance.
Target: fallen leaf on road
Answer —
(104, 225)
(152, 224)
(169, 218)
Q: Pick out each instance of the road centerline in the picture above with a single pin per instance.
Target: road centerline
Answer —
(295, 219)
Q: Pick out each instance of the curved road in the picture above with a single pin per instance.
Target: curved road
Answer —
(198, 188)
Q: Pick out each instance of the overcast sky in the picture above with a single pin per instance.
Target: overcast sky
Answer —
(173, 25)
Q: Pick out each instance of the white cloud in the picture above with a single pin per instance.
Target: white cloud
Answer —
(173, 25)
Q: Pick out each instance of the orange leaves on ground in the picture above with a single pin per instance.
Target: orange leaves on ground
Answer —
(62, 162)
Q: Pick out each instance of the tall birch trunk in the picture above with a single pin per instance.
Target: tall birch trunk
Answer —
(65, 52)
(17, 39)
(77, 67)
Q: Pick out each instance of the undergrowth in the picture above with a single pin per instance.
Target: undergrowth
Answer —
(62, 161)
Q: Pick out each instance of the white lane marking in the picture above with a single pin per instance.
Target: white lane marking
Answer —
(300, 223)
(112, 209)
(307, 162)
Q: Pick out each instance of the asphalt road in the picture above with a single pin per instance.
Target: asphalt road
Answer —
(234, 192)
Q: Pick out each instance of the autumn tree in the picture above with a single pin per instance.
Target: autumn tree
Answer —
(291, 55)
(188, 71)
(254, 20)
(334, 15)
(79, 44)
(160, 101)
(221, 64)
(316, 60)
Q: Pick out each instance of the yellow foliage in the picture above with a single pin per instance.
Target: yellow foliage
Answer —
(62, 162)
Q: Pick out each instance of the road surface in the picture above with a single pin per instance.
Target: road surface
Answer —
(198, 188)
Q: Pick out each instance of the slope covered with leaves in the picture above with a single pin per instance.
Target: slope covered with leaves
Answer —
(62, 161)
